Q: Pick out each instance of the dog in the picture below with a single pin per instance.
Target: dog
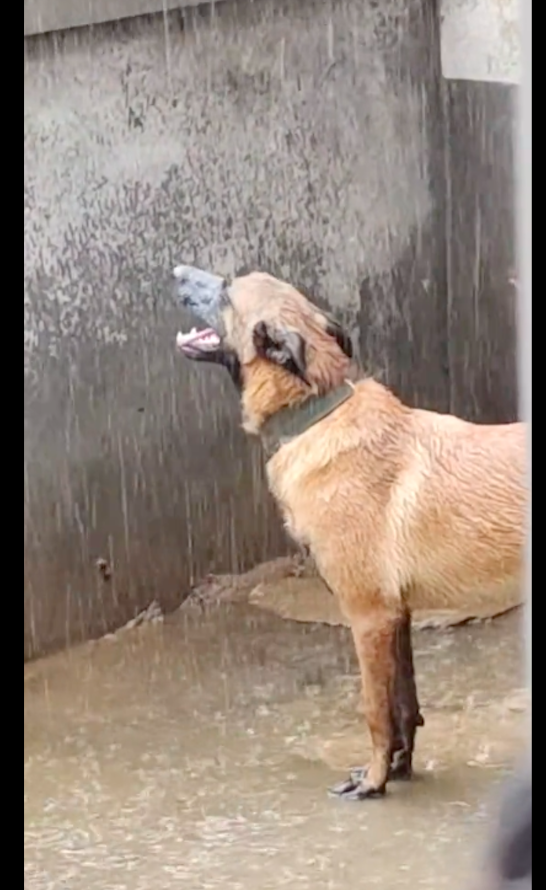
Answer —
(390, 500)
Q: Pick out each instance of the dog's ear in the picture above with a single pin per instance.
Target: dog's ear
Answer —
(334, 329)
(284, 348)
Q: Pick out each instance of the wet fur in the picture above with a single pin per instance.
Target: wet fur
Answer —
(394, 503)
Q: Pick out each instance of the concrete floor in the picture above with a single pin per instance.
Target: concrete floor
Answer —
(197, 751)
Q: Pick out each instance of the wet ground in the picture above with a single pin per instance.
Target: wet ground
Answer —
(197, 752)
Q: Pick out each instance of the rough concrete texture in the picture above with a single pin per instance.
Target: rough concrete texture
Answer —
(283, 136)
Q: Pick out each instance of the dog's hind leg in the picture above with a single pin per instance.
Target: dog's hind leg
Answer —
(377, 637)
(407, 715)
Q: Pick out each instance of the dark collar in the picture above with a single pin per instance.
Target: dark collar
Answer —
(288, 423)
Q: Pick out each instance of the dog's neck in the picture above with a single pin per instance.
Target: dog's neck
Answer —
(288, 423)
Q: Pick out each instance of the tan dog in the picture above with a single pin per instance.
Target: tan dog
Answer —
(394, 503)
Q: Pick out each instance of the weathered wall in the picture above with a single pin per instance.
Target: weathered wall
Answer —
(285, 137)
(481, 61)
(305, 138)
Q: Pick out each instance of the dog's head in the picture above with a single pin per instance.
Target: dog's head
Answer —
(278, 347)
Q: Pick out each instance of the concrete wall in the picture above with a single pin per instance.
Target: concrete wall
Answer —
(481, 64)
(287, 136)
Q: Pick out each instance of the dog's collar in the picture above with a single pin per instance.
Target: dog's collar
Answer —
(288, 423)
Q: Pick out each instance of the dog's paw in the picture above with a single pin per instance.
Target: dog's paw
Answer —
(356, 787)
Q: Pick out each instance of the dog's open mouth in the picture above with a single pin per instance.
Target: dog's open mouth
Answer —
(197, 343)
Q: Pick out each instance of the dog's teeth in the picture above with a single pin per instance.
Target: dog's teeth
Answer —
(195, 336)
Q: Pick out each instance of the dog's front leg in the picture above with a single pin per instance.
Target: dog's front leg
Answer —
(376, 638)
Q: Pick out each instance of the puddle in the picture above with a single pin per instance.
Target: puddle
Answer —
(199, 750)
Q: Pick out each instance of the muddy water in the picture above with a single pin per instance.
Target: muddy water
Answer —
(196, 752)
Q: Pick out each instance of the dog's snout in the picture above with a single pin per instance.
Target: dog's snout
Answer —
(190, 276)
(201, 291)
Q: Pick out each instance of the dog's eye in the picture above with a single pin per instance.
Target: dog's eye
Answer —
(333, 329)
